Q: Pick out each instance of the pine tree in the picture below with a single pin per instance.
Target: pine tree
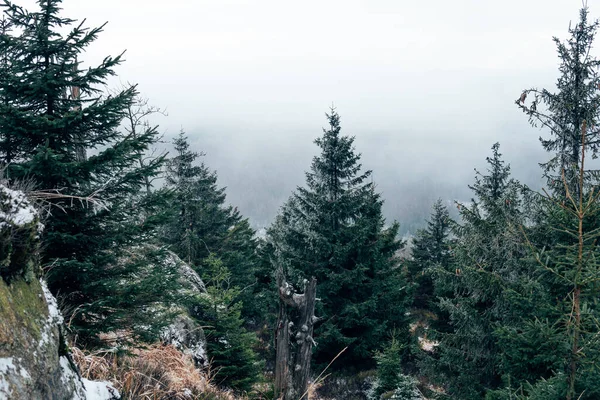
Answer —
(181, 178)
(7, 127)
(551, 350)
(488, 260)
(430, 248)
(430, 251)
(577, 99)
(229, 345)
(333, 229)
(569, 270)
(59, 130)
(202, 225)
(214, 240)
(389, 367)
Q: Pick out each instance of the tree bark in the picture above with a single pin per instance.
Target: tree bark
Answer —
(294, 340)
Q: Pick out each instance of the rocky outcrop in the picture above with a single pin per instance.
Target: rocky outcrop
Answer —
(187, 336)
(34, 359)
(184, 332)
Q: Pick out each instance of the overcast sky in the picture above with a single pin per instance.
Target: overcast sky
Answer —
(425, 86)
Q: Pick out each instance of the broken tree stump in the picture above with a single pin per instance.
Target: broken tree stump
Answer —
(294, 340)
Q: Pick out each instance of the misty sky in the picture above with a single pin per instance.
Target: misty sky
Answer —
(425, 86)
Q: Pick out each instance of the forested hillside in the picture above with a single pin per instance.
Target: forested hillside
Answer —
(168, 292)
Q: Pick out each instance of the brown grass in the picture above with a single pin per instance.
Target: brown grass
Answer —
(313, 387)
(159, 372)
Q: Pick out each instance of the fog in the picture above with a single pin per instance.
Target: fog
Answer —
(425, 86)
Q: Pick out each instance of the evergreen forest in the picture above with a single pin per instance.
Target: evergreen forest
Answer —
(496, 298)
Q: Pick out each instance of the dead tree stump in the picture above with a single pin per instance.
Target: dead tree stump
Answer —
(294, 340)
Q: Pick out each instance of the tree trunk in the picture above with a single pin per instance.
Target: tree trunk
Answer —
(294, 341)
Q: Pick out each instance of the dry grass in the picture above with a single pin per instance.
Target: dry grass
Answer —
(156, 373)
(312, 392)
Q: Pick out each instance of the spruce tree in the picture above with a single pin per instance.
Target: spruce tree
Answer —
(229, 345)
(430, 251)
(430, 248)
(552, 351)
(389, 367)
(7, 127)
(202, 225)
(563, 337)
(61, 131)
(333, 229)
(488, 266)
(577, 99)
(181, 178)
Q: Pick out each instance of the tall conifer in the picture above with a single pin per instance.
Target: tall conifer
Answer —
(333, 229)
(487, 264)
(202, 224)
(430, 249)
(60, 130)
(576, 99)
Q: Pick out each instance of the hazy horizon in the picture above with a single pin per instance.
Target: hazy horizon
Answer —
(426, 87)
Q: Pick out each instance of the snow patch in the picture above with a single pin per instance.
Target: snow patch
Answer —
(84, 388)
(18, 211)
(4, 389)
(54, 317)
(99, 390)
(7, 364)
(68, 375)
(53, 311)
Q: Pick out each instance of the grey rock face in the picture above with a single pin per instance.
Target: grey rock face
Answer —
(187, 335)
(34, 358)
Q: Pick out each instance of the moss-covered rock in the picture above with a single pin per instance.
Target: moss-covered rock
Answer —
(31, 366)
(34, 361)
